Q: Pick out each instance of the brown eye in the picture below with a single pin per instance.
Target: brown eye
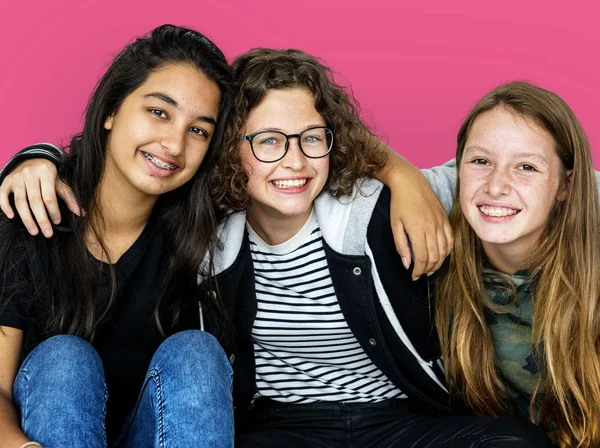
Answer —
(199, 131)
(158, 113)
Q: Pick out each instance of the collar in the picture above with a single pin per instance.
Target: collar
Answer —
(343, 223)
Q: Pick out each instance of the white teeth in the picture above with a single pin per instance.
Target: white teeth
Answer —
(497, 211)
(289, 183)
(159, 163)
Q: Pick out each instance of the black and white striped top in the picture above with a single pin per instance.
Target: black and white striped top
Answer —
(304, 349)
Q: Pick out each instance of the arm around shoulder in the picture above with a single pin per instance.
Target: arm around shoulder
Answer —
(45, 151)
(443, 181)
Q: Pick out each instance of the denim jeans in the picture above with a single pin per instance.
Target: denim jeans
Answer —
(186, 398)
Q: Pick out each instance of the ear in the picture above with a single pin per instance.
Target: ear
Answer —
(565, 188)
(108, 123)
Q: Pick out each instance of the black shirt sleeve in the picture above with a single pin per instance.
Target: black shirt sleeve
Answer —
(37, 151)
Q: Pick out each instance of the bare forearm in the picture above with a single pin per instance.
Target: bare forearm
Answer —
(416, 212)
(11, 435)
(397, 168)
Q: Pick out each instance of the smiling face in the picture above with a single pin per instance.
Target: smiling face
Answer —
(510, 178)
(284, 190)
(161, 132)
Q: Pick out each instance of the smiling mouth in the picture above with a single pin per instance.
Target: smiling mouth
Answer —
(159, 163)
(497, 211)
(292, 183)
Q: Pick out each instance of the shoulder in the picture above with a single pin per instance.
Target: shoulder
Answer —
(443, 181)
(231, 234)
(344, 221)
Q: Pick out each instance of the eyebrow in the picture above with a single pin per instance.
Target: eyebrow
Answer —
(167, 99)
(316, 125)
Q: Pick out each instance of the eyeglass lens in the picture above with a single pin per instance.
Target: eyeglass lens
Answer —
(271, 145)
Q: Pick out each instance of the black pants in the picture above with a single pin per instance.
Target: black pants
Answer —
(389, 424)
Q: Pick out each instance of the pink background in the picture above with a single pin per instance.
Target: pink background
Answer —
(416, 67)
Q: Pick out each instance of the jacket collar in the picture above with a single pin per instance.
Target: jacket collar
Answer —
(343, 222)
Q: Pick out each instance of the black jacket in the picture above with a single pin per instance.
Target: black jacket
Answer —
(368, 278)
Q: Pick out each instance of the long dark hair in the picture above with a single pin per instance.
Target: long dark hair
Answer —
(185, 216)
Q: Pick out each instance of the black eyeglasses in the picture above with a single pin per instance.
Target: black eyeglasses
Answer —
(271, 146)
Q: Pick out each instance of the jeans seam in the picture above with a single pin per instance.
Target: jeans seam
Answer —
(104, 414)
(22, 376)
(154, 374)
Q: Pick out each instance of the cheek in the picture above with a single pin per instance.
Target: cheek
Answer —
(540, 196)
(321, 167)
(194, 161)
(257, 173)
(136, 131)
(469, 184)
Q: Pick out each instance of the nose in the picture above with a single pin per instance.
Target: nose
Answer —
(498, 182)
(173, 141)
(294, 158)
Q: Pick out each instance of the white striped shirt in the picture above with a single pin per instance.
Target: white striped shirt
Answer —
(303, 347)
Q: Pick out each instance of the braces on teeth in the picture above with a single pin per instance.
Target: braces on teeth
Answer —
(492, 212)
(159, 163)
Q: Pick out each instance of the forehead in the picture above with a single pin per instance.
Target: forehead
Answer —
(191, 89)
(285, 109)
(504, 132)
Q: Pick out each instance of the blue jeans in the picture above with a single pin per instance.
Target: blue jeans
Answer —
(186, 398)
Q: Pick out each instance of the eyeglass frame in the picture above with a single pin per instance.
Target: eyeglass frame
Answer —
(251, 137)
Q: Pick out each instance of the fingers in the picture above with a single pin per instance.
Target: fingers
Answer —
(50, 201)
(443, 240)
(420, 253)
(427, 256)
(402, 246)
(431, 246)
(65, 192)
(33, 184)
(38, 205)
(442, 252)
(5, 202)
(22, 206)
(449, 236)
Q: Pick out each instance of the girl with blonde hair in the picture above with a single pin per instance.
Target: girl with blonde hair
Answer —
(517, 310)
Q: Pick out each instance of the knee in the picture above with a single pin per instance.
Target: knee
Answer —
(64, 358)
(193, 352)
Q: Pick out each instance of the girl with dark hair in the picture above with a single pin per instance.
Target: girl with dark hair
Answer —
(518, 307)
(94, 310)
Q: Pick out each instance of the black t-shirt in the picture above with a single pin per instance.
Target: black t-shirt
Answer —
(128, 338)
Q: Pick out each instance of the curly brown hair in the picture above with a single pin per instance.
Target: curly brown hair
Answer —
(356, 153)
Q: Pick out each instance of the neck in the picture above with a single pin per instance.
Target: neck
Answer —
(123, 212)
(507, 259)
(121, 215)
(273, 228)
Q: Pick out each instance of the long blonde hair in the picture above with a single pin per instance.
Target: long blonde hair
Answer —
(566, 321)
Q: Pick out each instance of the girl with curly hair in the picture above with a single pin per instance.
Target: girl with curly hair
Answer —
(335, 344)
(518, 313)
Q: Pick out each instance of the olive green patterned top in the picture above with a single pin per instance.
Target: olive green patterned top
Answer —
(511, 333)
